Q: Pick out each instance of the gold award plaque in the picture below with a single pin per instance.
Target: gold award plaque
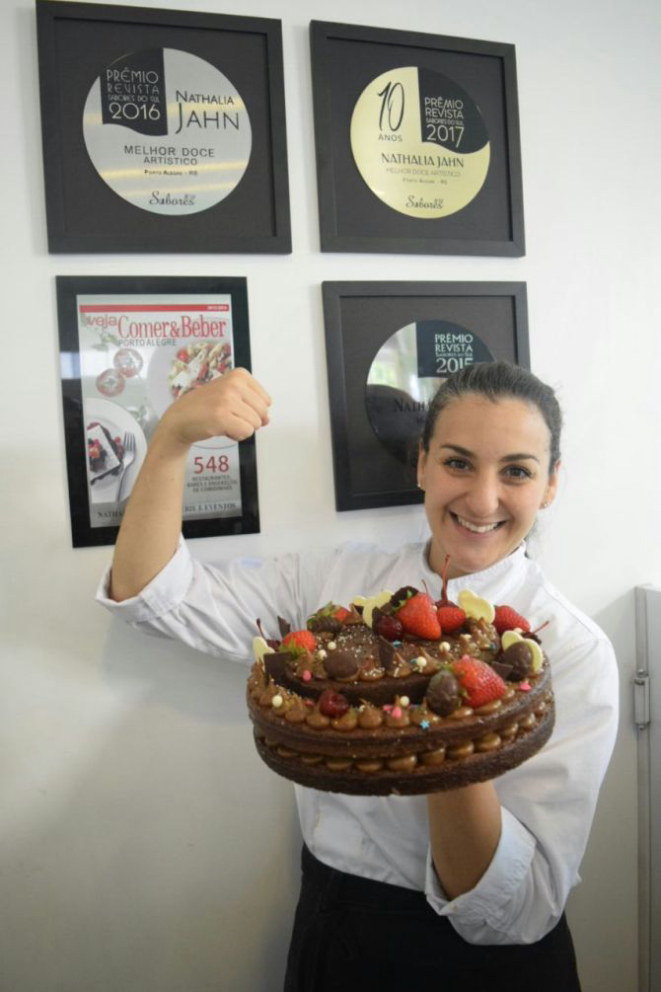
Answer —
(420, 143)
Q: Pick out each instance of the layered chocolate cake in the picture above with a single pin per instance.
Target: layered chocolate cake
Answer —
(400, 695)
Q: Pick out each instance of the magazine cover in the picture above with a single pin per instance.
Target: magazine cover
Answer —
(135, 354)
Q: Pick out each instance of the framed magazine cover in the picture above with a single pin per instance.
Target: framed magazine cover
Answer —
(388, 348)
(129, 347)
(163, 130)
(417, 140)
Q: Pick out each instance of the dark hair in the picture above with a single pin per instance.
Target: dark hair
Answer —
(495, 380)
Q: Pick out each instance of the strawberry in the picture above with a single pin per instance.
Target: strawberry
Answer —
(450, 616)
(341, 613)
(330, 617)
(299, 641)
(417, 616)
(508, 619)
(478, 682)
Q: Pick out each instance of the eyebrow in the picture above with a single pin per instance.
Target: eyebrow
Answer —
(516, 457)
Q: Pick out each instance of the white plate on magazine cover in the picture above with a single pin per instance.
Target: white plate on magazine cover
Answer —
(118, 422)
(159, 390)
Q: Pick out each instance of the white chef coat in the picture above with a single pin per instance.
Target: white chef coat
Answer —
(547, 803)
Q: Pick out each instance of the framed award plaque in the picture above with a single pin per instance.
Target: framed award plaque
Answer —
(389, 346)
(129, 347)
(417, 140)
(163, 130)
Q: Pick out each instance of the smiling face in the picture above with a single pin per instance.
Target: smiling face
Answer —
(485, 476)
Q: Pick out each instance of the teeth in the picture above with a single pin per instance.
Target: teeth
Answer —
(474, 528)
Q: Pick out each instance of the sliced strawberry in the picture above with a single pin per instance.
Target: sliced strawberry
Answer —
(418, 617)
(508, 619)
(478, 681)
(299, 641)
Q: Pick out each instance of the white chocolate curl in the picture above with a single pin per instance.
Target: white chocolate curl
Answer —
(476, 607)
(260, 648)
(372, 602)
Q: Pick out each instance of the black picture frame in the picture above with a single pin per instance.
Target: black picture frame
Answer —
(352, 218)
(76, 41)
(68, 291)
(359, 317)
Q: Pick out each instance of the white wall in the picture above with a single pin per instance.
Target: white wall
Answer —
(144, 847)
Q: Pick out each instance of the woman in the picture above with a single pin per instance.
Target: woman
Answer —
(465, 889)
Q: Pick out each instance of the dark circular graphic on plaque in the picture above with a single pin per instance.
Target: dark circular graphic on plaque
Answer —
(167, 131)
(420, 143)
(405, 374)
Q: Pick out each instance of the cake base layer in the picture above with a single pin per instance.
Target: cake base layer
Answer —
(370, 776)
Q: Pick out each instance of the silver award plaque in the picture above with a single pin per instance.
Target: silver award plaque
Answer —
(167, 131)
(405, 374)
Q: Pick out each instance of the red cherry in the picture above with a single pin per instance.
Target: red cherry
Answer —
(333, 704)
(389, 627)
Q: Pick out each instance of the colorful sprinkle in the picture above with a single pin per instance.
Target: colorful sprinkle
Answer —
(331, 645)
(525, 686)
(424, 724)
(387, 707)
(404, 701)
(397, 712)
(277, 701)
(307, 675)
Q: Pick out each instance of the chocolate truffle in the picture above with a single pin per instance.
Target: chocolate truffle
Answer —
(519, 656)
(443, 693)
(340, 664)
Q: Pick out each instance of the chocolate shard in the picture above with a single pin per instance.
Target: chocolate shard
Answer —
(274, 664)
(284, 626)
(386, 653)
(389, 656)
(377, 612)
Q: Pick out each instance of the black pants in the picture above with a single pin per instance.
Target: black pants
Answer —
(355, 935)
